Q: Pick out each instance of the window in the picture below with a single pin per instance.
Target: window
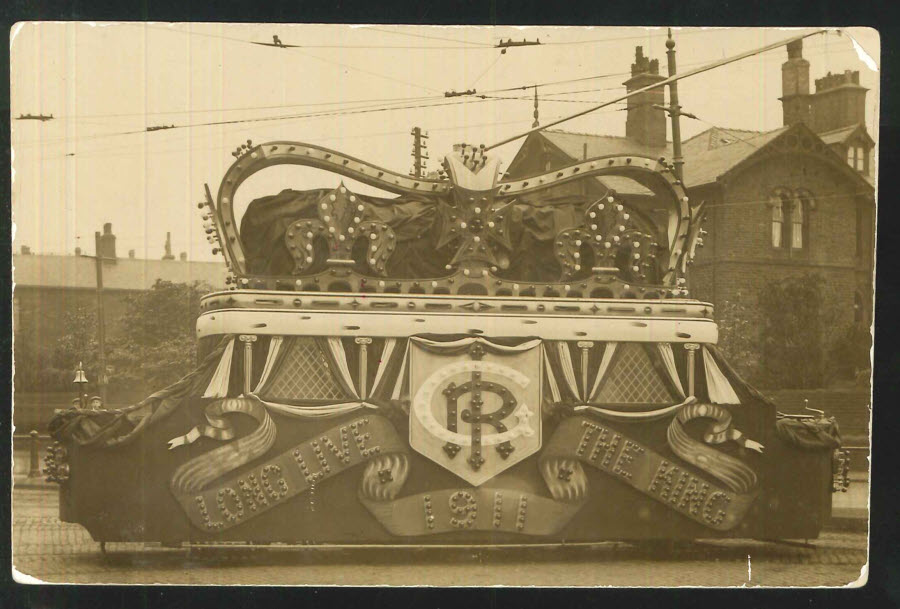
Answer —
(777, 221)
(789, 218)
(857, 158)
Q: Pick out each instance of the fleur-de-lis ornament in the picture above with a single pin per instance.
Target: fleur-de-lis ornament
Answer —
(611, 233)
(341, 223)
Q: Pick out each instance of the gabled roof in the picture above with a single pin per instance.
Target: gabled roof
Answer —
(572, 144)
(708, 155)
(842, 135)
(716, 151)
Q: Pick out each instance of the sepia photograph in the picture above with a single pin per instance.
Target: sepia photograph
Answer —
(409, 305)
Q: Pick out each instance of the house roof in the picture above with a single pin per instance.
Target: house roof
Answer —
(716, 151)
(572, 144)
(840, 136)
(37, 270)
(708, 155)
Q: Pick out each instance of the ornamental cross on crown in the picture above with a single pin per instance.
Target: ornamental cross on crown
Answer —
(612, 251)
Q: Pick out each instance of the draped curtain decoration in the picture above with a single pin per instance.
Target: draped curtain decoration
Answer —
(668, 360)
(604, 368)
(271, 357)
(551, 380)
(460, 345)
(568, 369)
(333, 350)
(386, 352)
(717, 386)
(398, 385)
(218, 384)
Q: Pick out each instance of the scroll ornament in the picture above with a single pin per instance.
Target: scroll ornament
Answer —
(373, 441)
(582, 440)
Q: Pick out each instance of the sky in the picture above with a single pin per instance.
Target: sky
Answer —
(357, 89)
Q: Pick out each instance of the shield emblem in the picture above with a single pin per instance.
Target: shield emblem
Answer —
(475, 410)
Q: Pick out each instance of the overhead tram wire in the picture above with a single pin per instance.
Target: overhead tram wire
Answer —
(482, 44)
(270, 118)
(811, 50)
(662, 83)
(297, 50)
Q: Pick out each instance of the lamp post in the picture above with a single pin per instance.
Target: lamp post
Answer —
(81, 382)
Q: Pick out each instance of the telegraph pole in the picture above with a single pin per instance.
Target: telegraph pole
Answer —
(418, 154)
(674, 111)
(101, 330)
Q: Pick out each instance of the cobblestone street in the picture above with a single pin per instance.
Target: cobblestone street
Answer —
(51, 551)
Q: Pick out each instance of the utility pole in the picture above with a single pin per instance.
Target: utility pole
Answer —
(419, 156)
(101, 330)
(674, 111)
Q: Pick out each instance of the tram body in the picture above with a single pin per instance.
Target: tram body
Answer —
(472, 362)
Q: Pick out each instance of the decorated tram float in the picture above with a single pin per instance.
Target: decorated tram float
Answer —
(475, 361)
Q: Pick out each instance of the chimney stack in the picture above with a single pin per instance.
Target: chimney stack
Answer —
(168, 255)
(131, 254)
(645, 124)
(839, 101)
(183, 256)
(77, 251)
(106, 243)
(795, 98)
(26, 251)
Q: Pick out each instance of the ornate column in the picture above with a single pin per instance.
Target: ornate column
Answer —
(691, 349)
(363, 364)
(248, 340)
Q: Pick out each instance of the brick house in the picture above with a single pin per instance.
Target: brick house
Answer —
(47, 287)
(798, 199)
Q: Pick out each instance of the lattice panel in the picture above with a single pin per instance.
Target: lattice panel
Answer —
(304, 375)
(633, 379)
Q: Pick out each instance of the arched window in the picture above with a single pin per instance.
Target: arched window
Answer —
(790, 211)
(777, 220)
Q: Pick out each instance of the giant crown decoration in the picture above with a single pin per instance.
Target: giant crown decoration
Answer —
(339, 241)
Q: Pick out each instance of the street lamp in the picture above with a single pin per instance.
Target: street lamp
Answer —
(81, 382)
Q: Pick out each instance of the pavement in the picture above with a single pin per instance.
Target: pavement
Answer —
(47, 550)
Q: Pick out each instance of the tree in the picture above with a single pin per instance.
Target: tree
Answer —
(52, 367)
(799, 324)
(739, 336)
(154, 344)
